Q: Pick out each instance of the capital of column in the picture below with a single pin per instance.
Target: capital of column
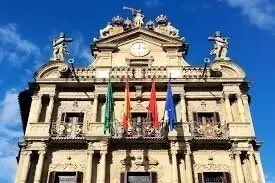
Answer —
(26, 153)
(90, 152)
(103, 152)
(42, 152)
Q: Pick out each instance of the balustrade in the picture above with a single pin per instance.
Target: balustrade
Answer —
(67, 130)
(143, 72)
(138, 129)
(209, 130)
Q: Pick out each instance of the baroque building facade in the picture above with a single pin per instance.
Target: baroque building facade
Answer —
(64, 109)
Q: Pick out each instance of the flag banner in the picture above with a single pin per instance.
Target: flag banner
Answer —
(127, 108)
(170, 111)
(153, 110)
(108, 117)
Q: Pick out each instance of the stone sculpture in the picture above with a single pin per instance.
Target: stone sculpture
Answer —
(60, 48)
(220, 46)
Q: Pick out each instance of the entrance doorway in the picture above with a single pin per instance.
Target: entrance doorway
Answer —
(139, 177)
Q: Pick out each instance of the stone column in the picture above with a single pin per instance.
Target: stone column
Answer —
(89, 167)
(95, 104)
(240, 175)
(182, 171)
(39, 167)
(233, 165)
(183, 108)
(174, 166)
(253, 170)
(228, 108)
(38, 107)
(25, 166)
(50, 109)
(259, 166)
(240, 107)
(188, 164)
(102, 167)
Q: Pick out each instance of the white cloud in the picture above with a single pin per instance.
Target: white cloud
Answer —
(10, 132)
(270, 178)
(260, 12)
(13, 48)
(79, 50)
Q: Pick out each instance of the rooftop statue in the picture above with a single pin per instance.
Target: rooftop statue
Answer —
(60, 48)
(138, 16)
(165, 27)
(118, 24)
(220, 46)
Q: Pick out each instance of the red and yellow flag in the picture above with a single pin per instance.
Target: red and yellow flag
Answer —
(127, 108)
(153, 110)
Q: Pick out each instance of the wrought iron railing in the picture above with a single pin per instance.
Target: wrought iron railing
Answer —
(138, 129)
(67, 130)
(209, 130)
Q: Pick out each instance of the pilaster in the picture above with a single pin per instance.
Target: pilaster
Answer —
(253, 170)
(102, 167)
(188, 164)
(50, 108)
(95, 105)
(240, 175)
(240, 107)
(24, 168)
(259, 166)
(228, 107)
(39, 167)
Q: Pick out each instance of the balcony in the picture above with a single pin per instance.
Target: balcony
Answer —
(64, 130)
(209, 130)
(141, 129)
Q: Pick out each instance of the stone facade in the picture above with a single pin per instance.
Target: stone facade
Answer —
(63, 115)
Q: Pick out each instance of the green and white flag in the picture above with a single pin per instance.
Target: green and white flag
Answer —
(108, 108)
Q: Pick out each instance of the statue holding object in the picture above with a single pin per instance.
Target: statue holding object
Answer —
(60, 48)
(138, 16)
(220, 46)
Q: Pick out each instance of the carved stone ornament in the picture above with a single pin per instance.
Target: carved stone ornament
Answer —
(68, 166)
(200, 168)
(138, 162)
(220, 46)
(139, 107)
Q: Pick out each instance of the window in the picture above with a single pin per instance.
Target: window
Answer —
(207, 124)
(206, 117)
(138, 177)
(66, 177)
(72, 117)
(214, 177)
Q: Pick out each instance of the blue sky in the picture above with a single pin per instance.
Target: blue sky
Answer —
(27, 28)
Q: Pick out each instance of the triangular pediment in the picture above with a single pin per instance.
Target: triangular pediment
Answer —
(142, 33)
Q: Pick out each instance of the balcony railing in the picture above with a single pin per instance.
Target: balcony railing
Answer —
(209, 130)
(138, 130)
(67, 130)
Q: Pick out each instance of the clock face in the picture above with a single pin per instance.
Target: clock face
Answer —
(139, 49)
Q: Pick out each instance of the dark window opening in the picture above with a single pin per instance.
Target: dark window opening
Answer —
(45, 103)
(72, 117)
(66, 177)
(138, 177)
(214, 177)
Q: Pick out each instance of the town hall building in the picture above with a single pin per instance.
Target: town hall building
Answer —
(140, 113)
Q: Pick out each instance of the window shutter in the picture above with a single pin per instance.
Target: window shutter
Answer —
(154, 178)
(200, 178)
(227, 177)
(81, 117)
(52, 177)
(217, 116)
(79, 176)
(123, 177)
(195, 117)
(63, 117)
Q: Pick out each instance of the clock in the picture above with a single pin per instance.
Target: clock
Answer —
(139, 49)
